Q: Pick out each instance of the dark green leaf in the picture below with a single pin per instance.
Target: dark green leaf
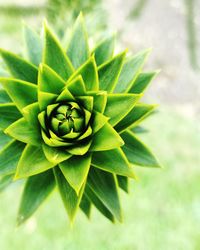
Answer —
(103, 184)
(135, 116)
(36, 190)
(142, 81)
(110, 71)
(33, 45)
(113, 161)
(4, 139)
(9, 157)
(85, 206)
(136, 152)
(4, 97)
(70, 199)
(123, 183)
(104, 51)
(130, 71)
(8, 114)
(78, 48)
(98, 203)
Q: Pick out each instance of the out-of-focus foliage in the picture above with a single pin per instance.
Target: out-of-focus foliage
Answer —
(191, 29)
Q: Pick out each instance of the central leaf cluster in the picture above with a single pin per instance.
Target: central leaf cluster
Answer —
(65, 123)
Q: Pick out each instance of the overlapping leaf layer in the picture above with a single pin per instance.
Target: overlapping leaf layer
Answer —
(67, 119)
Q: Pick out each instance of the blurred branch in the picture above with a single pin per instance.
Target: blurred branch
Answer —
(191, 32)
(137, 10)
(19, 10)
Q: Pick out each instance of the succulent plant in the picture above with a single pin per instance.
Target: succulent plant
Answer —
(69, 120)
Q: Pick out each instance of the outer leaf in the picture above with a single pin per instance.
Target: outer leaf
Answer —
(46, 99)
(98, 204)
(76, 170)
(78, 48)
(105, 139)
(36, 190)
(104, 186)
(30, 113)
(98, 121)
(32, 162)
(130, 71)
(137, 153)
(4, 97)
(22, 131)
(123, 183)
(9, 157)
(55, 57)
(89, 73)
(49, 81)
(77, 86)
(119, 105)
(142, 82)
(33, 45)
(55, 155)
(5, 181)
(85, 206)
(4, 139)
(99, 100)
(113, 161)
(70, 199)
(19, 68)
(22, 93)
(8, 114)
(110, 71)
(135, 116)
(104, 51)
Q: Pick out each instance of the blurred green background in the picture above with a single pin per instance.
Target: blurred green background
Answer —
(162, 211)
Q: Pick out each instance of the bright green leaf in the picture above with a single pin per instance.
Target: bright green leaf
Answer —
(89, 73)
(77, 86)
(76, 170)
(22, 93)
(32, 162)
(49, 81)
(119, 105)
(105, 139)
(70, 199)
(22, 131)
(55, 155)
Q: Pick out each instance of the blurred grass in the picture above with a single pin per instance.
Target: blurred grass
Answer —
(161, 213)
